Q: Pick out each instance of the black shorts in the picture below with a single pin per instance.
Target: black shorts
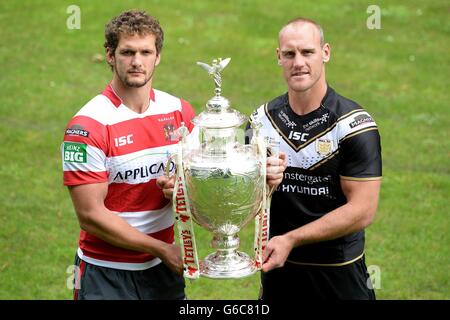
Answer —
(348, 282)
(100, 283)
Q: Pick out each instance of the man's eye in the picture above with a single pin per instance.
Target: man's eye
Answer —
(289, 55)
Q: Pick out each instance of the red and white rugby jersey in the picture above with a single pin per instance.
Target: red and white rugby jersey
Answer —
(108, 142)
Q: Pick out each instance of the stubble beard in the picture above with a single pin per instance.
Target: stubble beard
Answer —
(127, 82)
(135, 84)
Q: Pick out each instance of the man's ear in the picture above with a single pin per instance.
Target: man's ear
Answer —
(158, 59)
(110, 57)
(326, 52)
(278, 56)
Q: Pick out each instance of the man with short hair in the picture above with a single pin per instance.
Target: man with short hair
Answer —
(331, 185)
(114, 150)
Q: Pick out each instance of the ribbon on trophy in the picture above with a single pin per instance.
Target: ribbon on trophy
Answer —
(262, 217)
(266, 146)
(182, 211)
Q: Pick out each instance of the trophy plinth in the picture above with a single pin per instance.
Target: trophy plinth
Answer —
(227, 261)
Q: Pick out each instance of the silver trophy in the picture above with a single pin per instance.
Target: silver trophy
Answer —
(221, 185)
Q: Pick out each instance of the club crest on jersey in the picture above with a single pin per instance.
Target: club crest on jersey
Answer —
(169, 132)
(324, 147)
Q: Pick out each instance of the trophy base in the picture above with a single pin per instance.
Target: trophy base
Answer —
(227, 265)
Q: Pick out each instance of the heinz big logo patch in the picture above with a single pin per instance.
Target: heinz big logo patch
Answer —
(75, 152)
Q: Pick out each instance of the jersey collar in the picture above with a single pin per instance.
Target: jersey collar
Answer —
(326, 100)
(115, 99)
(329, 97)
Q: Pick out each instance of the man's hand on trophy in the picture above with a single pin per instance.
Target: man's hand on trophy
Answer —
(170, 255)
(275, 169)
(276, 252)
(166, 184)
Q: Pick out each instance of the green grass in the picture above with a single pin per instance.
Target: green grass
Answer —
(399, 74)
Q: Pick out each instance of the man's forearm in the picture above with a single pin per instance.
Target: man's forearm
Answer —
(109, 227)
(340, 222)
(98, 220)
(355, 215)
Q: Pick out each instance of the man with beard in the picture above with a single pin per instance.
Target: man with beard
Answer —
(114, 150)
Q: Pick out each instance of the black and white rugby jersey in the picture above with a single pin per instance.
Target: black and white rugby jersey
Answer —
(338, 140)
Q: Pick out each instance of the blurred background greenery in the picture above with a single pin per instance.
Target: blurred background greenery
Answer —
(398, 73)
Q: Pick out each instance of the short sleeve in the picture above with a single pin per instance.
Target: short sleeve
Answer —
(83, 152)
(361, 156)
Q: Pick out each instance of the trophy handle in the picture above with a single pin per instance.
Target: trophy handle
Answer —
(273, 149)
(170, 159)
(181, 132)
(182, 211)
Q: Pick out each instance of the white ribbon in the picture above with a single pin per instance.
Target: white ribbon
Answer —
(183, 217)
(262, 217)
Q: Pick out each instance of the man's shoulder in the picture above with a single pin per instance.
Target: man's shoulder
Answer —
(165, 97)
(269, 106)
(96, 109)
(351, 118)
(341, 105)
(277, 102)
(167, 103)
(89, 121)
(98, 101)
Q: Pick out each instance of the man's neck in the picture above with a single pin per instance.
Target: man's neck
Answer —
(305, 102)
(137, 99)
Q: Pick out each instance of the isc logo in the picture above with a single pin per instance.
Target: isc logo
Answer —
(121, 141)
(298, 136)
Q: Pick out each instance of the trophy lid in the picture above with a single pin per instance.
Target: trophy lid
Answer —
(218, 113)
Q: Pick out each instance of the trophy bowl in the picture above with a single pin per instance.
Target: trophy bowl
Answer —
(225, 193)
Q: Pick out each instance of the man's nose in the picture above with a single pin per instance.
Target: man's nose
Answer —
(299, 60)
(136, 61)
